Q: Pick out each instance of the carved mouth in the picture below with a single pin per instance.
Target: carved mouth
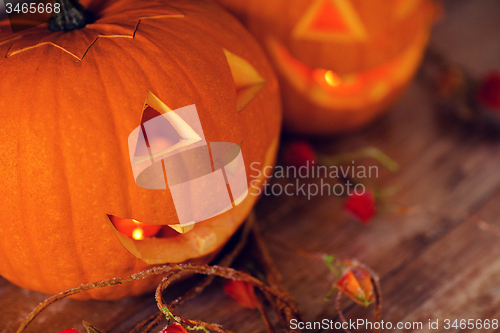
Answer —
(325, 88)
(152, 243)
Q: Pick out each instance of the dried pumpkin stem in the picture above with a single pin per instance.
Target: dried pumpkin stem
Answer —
(70, 16)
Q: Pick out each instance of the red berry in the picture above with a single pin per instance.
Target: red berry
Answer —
(361, 206)
(489, 91)
(299, 153)
(70, 330)
(174, 328)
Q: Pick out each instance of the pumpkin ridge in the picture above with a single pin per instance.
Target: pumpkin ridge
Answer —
(73, 233)
(191, 87)
(4, 257)
(155, 17)
(26, 228)
(117, 144)
(132, 36)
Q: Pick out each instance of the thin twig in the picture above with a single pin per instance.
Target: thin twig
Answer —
(155, 319)
(174, 270)
(225, 262)
(224, 272)
(273, 275)
(95, 285)
(148, 324)
(263, 314)
(274, 278)
(339, 311)
(297, 250)
(369, 152)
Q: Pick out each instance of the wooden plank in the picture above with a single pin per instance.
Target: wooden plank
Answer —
(457, 277)
(16, 303)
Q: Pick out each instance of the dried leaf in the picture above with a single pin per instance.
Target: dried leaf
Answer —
(90, 328)
(242, 292)
(356, 283)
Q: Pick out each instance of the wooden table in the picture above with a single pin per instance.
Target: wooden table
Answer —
(434, 264)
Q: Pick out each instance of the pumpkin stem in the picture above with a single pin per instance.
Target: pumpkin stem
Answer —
(72, 15)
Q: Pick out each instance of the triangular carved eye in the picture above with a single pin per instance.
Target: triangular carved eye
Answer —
(162, 135)
(153, 107)
(247, 80)
(330, 20)
(404, 7)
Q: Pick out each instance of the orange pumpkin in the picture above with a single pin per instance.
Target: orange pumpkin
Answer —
(340, 63)
(70, 101)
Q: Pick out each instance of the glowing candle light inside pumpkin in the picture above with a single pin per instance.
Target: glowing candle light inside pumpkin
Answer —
(133, 228)
(332, 79)
(138, 234)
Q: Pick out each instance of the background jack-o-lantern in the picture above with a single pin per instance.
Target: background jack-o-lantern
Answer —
(340, 62)
(70, 101)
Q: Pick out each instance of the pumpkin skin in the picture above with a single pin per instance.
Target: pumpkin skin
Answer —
(340, 63)
(70, 102)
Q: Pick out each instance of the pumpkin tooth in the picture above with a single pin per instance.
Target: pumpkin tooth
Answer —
(182, 228)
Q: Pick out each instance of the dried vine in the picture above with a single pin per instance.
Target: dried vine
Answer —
(224, 272)
(175, 271)
(272, 295)
(148, 324)
(274, 279)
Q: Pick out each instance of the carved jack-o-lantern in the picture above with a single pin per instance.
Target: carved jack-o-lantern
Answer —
(70, 101)
(340, 62)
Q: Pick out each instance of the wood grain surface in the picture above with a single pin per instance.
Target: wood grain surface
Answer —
(434, 263)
